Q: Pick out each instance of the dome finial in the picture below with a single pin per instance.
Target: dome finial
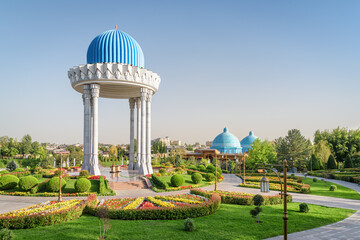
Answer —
(226, 129)
(116, 26)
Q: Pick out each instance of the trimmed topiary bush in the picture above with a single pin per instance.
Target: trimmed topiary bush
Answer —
(53, 184)
(83, 173)
(19, 170)
(162, 171)
(196, 178)
(82, 185)
(158, 182)
(28, 182)
(201, 168)
(8, 182)
(210, 177)
(38, 176)
(189, 225)
(303, 207)
(210, 168)
(6, 234)
(177, 180)
(4, 171)
(315, 179)
(333, 188)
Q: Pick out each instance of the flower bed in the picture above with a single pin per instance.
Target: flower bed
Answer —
(46, 194)
(240, 198)
(45, 214)
(291, 187)
(159, 207)
(17, 174)
(96, 177)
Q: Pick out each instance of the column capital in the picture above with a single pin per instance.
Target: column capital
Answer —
(150, 93)
(143, 94)
(132, 103)
(95, 90)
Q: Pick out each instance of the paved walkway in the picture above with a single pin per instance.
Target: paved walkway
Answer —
(346, 229)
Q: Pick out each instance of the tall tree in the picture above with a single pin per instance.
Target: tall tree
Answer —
(331, 164)
(113, 151)
(316, 163)
(26, 144)
(322, 151)
(293, 146)
(348, 162)
(261, 152)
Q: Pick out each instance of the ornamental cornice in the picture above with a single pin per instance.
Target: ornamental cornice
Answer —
(116, 72)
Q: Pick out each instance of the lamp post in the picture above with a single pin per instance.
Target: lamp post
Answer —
(60, 177)
(215, 173)
(264, 187)
(244, 158)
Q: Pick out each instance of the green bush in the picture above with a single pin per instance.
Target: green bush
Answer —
(333, 188)
(299, 180)
(102, 185)
(158, 182)
(53, 184)
(4, 171)
(82, 185)
(6, 234)
(210, 177)
(210, 168)
(303, 207)
(162, 171)
(19, 170)
(38, 176)
(84, 173)
(8, 182)
(177, 180)
(196, 178)
(189, 225)
(12, 166)
(258, 200)
(28, 182)
(201, 168)
(331, 164)
(315, 179)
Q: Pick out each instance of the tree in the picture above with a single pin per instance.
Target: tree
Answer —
(12, 166)
(316, 164)
(5, 151)
(113, 151)
(348, 162)
(294, 146)
(322, 151)
(189, 147)
(192, 161)
(26, 144)
(261, 152)
(331, 164)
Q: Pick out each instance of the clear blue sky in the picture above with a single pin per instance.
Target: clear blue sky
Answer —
(266, 66)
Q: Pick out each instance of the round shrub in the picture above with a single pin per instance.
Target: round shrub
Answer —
(6, 234)
(168, 164)
(210, 168)
(162, 171)
(38, 176)
(19, 170)
(258, 200)
(8, 182)
(4, 171)
(196, 178)
(210, 177)
(82, 185)
(315, 179)
(201, 168)
(53, 184)
(177, 180)
(299, 180)
(303, 207)
(219, 170)
(333, 188)
(189, 225)
(84, 173)
(28, 182)
(178, 169)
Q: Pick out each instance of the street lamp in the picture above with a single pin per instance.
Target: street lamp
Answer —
(60, 177)
(264, 187)
(244, 158)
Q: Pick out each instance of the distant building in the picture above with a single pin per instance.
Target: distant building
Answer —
(247, 141)
(226, 142)
(176, 143)
(165, 140)
(208, 143)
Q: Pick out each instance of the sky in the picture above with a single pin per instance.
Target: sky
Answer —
(265, 66)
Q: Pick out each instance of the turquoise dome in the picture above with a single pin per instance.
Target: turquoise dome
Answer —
(116, 47)
(226, 142)
(247, 141)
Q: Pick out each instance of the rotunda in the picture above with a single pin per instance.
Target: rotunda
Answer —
(247, 141)
(115, 69)
(226, 142)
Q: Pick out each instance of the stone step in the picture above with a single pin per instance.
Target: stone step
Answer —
(127, 185)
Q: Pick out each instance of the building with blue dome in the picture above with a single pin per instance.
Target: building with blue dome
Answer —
(247, 141)
(115, 69)
(227, 143)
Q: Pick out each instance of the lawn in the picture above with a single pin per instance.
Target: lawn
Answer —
(322, 189)
(109, 164)
(187, 182)
(229, 222)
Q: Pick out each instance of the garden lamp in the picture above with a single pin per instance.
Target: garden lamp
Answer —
(264, 184)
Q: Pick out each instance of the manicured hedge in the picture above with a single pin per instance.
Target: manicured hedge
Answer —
(8, 182)
(158, 182)
(33, 221)
(196, 178)
(177, 180)
(191, 211)
(240, 198)
(82, 185)
(28, 182)
(54, 184)
(18, 174)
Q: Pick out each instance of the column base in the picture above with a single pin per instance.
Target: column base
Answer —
(94, 166)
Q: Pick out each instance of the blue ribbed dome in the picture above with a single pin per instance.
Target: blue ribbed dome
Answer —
(247, 141)
(116, 47)
(226, 143)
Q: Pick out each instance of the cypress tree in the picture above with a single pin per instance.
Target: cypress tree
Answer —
(315, 163)
(331, 163)
(348, 162)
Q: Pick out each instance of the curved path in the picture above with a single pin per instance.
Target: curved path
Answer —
(346, 229)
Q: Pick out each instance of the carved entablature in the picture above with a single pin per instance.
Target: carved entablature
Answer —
(117, 72)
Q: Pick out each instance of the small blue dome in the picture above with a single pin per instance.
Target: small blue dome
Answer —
(116, 47)
(226, 143)
(247, 141)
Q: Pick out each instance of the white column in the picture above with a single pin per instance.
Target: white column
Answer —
(94, 162)
(87, 127)
(148, 131)
(143, 167)
(131, 155)
(138, 133)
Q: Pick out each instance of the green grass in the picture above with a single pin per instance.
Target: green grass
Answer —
(229, 222)
(187, 182)
(322, 189)
(109, 164)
